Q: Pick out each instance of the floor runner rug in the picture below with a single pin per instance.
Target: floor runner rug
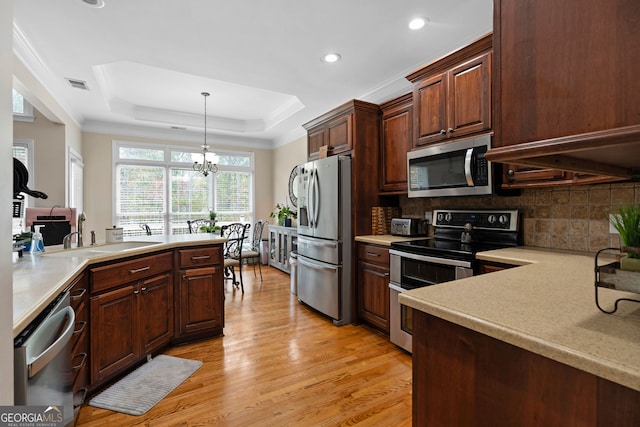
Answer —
(140, 390)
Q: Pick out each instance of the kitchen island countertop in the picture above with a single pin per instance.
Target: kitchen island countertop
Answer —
(38, 279)
(546, 305)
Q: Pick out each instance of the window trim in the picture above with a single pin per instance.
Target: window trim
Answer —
(27, 115)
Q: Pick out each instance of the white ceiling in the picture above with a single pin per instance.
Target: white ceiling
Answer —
(147, 61)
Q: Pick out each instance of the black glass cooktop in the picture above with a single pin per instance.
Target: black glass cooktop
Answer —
(449, 249)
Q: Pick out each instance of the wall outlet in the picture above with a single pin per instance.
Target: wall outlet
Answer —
(612, 229)
(428, 217)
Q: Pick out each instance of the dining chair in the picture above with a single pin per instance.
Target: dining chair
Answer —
(198, 226)
(252, 251)
(235, 234)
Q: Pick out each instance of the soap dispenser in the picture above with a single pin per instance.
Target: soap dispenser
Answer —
(37, 245)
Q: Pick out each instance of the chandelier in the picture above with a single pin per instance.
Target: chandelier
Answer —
(207, 165)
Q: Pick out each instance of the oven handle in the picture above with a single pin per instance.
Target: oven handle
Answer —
(396, 287)
(433, 260)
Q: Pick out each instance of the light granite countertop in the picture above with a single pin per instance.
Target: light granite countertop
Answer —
(545, 305)
(386, 239)
(38, 279)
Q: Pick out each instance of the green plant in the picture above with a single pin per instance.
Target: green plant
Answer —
(627, 224)
(283, 212)
(212, 215)
(209, 228)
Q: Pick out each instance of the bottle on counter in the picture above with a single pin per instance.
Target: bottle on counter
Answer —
(37, 244)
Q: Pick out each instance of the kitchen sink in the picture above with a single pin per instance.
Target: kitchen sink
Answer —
(92, 251)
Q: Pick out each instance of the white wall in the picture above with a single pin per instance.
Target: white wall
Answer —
(285, 158)
(6, 176)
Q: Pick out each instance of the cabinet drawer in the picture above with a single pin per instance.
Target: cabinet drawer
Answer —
(124, 272)
(200, 256)
(374, 254)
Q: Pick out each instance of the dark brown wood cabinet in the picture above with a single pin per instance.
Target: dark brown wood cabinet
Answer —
(464, 378)
(452, 96)
(373, 285)
(200, 293)
(395, 142)
(335, 133)
(79, 300)
(130, 317)
(566, 85)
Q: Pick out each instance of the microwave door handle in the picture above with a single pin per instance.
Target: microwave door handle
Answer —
(468, 158)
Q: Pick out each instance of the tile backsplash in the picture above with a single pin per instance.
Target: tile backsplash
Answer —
(573, 217)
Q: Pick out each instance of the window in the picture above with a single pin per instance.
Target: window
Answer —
(156, 185)
(22, 110)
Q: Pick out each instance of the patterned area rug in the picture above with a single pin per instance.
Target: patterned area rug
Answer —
(139, 391)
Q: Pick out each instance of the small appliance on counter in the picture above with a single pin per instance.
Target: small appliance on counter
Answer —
(409, 227)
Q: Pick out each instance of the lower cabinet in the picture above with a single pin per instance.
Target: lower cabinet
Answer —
(79, 296)
(464, 378)
(200, 293)
(282, 241)
(132, 309)
(128, 323)
(373, 285)
(128, 309)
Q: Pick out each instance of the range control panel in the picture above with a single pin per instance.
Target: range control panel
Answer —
(506, 220)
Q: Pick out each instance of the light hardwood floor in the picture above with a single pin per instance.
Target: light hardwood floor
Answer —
(281, 364)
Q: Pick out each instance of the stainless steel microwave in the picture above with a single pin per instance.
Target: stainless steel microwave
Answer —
(456, 168)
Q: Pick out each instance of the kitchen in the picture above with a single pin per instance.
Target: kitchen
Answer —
(554, 217)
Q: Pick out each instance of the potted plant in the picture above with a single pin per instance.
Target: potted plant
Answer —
(627, 224)
(211, 227)
(284, 214)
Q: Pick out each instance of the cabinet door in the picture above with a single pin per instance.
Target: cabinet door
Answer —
(430, 114)
(156, 307)
(396, 142)
(273, 248)
(315, 140)
(339, 134)
(115, 342)
(201, 300)
(373, 285)
(469, 97)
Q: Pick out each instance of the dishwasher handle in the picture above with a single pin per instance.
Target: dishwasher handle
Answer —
(37, 363)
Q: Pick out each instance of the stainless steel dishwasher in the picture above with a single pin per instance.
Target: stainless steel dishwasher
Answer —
(43, 374)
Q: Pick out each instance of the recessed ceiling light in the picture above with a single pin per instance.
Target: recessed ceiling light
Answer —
(417, 23)
(94, 3)
(331, 57)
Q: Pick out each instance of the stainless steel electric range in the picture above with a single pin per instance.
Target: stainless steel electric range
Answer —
(448, 255)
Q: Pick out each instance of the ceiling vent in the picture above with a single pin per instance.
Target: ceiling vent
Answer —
(78, 84)
(94, 3)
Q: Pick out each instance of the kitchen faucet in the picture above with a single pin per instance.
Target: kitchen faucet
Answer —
(66, 241)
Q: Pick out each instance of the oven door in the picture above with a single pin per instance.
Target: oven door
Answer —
(411, 271)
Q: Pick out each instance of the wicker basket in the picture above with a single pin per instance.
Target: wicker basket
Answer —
(381, 219)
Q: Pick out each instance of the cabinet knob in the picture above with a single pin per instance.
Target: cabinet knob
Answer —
(442, 131)
(450, 130)
(136, 292)
(510, 172)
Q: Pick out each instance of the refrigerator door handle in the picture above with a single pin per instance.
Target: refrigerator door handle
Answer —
(310, 199)
(330, 244)
(316, 204)
(316, 266)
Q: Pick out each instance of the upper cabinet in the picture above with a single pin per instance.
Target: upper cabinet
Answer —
(452, 96)
(335, 129)
(566, 85)
(395, 141)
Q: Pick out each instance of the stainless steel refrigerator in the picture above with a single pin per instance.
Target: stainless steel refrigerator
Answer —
(324, 237)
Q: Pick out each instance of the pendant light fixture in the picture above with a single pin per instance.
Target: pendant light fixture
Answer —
(207, 165)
